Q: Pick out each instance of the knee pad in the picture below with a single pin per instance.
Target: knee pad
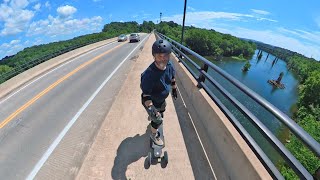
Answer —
(156, 123)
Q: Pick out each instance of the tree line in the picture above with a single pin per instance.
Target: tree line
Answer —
(208, 42)
(307, 114)
(279, 52)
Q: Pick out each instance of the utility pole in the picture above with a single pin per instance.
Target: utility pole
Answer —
(184, 18)
(160, 16)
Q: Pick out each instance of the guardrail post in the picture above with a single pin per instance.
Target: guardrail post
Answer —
(201, 78)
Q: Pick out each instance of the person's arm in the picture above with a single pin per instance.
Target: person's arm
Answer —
(146, 87)
(152, 110)
(173, 84)
(148, 102)
(174, 88)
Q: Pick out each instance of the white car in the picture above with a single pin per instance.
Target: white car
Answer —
(122, 37)
(134, 37)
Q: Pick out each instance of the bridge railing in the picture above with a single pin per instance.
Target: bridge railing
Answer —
(201, 75)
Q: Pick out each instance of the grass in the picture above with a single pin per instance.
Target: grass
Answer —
(237, 58)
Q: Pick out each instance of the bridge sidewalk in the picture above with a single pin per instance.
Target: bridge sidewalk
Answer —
(122, 144)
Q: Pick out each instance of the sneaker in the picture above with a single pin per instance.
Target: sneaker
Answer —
(156, 139)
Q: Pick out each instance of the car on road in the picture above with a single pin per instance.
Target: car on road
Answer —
(122, 37)
(134, 37)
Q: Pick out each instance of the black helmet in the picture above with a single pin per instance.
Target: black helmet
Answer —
(161, 46)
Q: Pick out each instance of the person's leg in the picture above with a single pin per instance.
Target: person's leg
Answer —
(162, 108)
(155, 136)
(155, 123)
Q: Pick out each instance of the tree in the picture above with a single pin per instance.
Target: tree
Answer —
(246, 67)
(208, 42)
(280, 78)
(4, 69)
(310, 91)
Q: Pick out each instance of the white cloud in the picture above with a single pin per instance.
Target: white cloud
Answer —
(14, 42)
(37, 41)
(311, 37)
(5, 12)
(17, 22)
(193, 17)
(11, 44)
(54, 26)
(191, 8)
(266, 19)
(10, 48)
(318, 21)
(260, 11)
(16, 48)
(47, 4)
(96, 0)
(37, 7)
(19, 4)
(66, 11)
(15, 17)
(5, 46)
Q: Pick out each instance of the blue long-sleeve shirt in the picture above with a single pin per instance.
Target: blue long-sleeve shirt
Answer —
(156, 82)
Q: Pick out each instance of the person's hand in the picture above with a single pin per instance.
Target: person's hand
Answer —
(153, 112)
(174, 93)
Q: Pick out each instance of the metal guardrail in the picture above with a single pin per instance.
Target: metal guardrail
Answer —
(23, 67)
(312, 144)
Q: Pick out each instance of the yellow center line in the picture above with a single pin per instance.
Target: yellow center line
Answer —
(53, 85)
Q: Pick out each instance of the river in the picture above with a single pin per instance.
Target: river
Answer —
(258, 75)
(256, 79)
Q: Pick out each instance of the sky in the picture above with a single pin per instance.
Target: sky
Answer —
(294, 25)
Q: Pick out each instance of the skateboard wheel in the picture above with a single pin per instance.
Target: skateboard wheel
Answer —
(149, 158)
(165, 157)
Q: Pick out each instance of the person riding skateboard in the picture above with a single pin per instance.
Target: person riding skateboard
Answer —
(156, 83)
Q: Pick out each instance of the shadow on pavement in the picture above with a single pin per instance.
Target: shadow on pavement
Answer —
(130, 150)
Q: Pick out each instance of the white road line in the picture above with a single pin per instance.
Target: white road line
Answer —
(53, 71)
(55, 143)
(205, 153)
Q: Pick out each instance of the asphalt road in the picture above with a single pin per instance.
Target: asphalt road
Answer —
(47, 128)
